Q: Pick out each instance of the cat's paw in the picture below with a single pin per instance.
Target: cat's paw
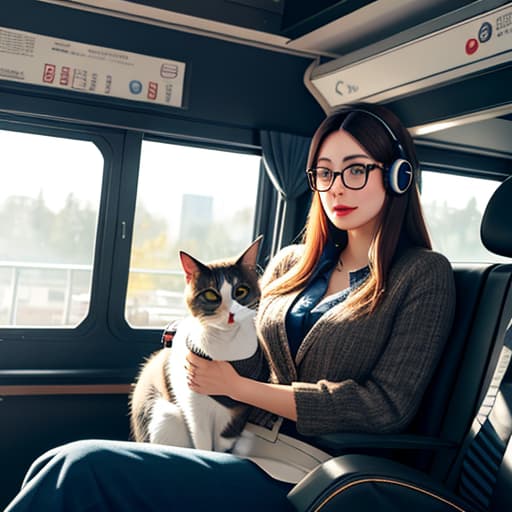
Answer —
(167, 425)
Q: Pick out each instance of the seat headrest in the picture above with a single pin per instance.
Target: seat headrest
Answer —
(496, 226)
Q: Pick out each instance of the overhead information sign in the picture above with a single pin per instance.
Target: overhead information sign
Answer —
(470, 46)
(42, 60)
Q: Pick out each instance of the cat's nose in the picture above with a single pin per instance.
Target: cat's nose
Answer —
(231, 318)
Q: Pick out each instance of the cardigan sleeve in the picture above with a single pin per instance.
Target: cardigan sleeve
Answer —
(388, 398)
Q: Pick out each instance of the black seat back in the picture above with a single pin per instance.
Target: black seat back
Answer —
(484, 303)
(469, 282)
(479, 351)
(501, 498)
(483, 470)
(483, 467)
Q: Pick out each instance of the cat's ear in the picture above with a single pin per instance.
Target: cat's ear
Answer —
(250, 255)
(190, 265)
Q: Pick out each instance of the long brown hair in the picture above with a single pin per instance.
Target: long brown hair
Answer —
(401, 217)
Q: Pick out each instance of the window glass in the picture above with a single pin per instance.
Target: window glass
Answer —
(197, 200)
(49, 202)
(453, 207)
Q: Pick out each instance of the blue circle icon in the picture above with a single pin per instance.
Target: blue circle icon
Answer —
(135, 87)
(485, 32)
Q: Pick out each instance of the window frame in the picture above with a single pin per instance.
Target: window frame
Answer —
(458, 160)
(103, 347)
(461, 161)
(128, 198)
(104, 331)
(493, 259)
(106, 142)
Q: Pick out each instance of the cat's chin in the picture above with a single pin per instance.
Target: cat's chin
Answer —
(228, 321)
(229, 341)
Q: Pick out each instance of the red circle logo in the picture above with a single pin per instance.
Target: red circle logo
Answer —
(471, 46)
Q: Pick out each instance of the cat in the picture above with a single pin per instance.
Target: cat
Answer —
(221, 298)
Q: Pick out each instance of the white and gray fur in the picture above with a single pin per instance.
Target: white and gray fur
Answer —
(163, 408)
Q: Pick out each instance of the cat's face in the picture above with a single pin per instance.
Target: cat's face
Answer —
(217, 288)
(224, 290)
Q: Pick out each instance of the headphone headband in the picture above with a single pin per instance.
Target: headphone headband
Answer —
(400, 174)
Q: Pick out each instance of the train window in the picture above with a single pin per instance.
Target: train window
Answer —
(453, 207)
(49, 201)
(198, 200)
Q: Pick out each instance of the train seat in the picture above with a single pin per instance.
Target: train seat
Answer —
(477, 475)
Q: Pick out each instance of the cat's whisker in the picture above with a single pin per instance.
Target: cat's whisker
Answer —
(254, 305)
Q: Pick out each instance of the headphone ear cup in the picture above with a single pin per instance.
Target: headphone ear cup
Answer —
(399, 176)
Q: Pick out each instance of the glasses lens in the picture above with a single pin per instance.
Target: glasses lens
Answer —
(355, 176)
(323, 178)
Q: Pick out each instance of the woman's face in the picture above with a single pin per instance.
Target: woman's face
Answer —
(347, 209)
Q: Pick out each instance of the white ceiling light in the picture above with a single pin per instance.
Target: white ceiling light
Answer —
(461, 120)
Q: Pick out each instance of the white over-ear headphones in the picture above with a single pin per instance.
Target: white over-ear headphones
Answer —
(399, 175)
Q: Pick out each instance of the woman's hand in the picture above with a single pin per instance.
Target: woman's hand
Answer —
(210, 377)
(220, 378)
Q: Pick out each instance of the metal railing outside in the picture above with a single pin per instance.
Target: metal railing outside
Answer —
(11, 285)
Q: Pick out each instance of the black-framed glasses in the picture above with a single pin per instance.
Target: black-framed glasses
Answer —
(354, 176)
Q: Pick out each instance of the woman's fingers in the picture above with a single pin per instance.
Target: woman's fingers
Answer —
(192, 366)
(193, 360)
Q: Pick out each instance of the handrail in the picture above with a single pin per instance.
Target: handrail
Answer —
(44, 266)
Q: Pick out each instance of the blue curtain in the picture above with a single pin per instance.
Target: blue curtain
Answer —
(284, 160)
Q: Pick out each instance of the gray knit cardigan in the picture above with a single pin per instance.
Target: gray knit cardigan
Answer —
(367, 374)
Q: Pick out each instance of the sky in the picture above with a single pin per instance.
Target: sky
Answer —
(455, 190)
(31, 163)
(230, 176)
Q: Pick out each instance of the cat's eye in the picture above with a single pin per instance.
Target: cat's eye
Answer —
(241, 292)
(211, 296)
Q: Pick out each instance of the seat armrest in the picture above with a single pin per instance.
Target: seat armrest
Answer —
(337, 444)
(364, 482)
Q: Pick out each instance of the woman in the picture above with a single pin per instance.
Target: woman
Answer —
(352, 321)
